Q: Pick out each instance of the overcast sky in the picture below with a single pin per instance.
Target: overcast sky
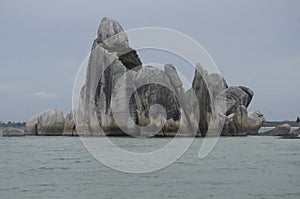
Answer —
(254, 43)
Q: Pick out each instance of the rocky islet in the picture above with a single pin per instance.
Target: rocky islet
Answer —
(158, 104)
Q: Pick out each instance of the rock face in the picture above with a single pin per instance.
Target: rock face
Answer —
(255, 122)
(70, 125)
(111, 34)
(31, 126)
(234, 97)
(110, 58)
(240, 123)
(217, 83)
(158, 105)
(281, 130)
(50, 122)
(12, 132)
(189, 115)
(203, 97)
(207, 87)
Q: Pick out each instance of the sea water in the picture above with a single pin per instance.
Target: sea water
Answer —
(238, 167)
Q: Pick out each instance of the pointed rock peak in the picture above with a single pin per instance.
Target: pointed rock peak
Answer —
(109, 27)
(171, 71)
(111, 33)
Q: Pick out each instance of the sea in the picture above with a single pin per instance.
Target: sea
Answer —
(237, 167)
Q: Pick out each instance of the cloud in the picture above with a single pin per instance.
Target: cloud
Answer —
(8, 87)
(44, 95)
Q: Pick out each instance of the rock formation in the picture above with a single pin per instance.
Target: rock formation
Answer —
(164, 108)
(110, 58)
(50, 122)
(12, 132)
(204, 100)
(189, 115)
(70, 125)
(122, 97)
(235, 96)
(240, 123)
(281, 130)
(294, 134)
(149, 94)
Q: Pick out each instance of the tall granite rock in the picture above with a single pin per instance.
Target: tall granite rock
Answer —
(207, 87)
(110, 58)
(70, 125)
(203, 99)
(189, 109)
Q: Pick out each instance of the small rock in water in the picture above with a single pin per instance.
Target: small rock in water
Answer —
(12, 132)
(281, 130)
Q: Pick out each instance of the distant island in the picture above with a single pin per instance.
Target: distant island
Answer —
(278, 123)
(12, 124)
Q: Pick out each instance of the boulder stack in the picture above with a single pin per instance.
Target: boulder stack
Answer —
(121, 97)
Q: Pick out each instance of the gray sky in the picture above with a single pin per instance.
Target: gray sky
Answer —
(254, 43)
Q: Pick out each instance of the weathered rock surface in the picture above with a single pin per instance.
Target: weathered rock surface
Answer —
(234, 97)
(154, 88)
(50, 122)
(207, 87)
(189, 109)
(112, 34)
(203, 98)
(255, 122)
(281, 130)
(110, 58)
(12, 132)
(31, 126)
(217, 83)
(70, 125)
(240, 123)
